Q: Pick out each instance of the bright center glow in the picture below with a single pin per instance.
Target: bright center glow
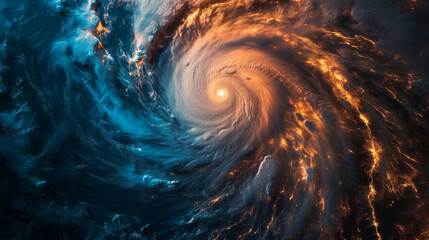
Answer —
(221, 93)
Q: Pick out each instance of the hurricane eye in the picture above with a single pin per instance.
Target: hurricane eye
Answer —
(221, 93)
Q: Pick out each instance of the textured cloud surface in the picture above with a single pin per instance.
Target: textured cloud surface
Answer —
(214, 119)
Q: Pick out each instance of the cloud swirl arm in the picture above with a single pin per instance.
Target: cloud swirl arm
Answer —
(214, 119)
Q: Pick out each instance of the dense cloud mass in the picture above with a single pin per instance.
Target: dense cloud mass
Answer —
(214, 119)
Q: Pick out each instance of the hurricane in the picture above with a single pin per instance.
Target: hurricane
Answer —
(214, 119)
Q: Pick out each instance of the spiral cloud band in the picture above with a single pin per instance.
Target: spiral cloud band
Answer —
(214, 119)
